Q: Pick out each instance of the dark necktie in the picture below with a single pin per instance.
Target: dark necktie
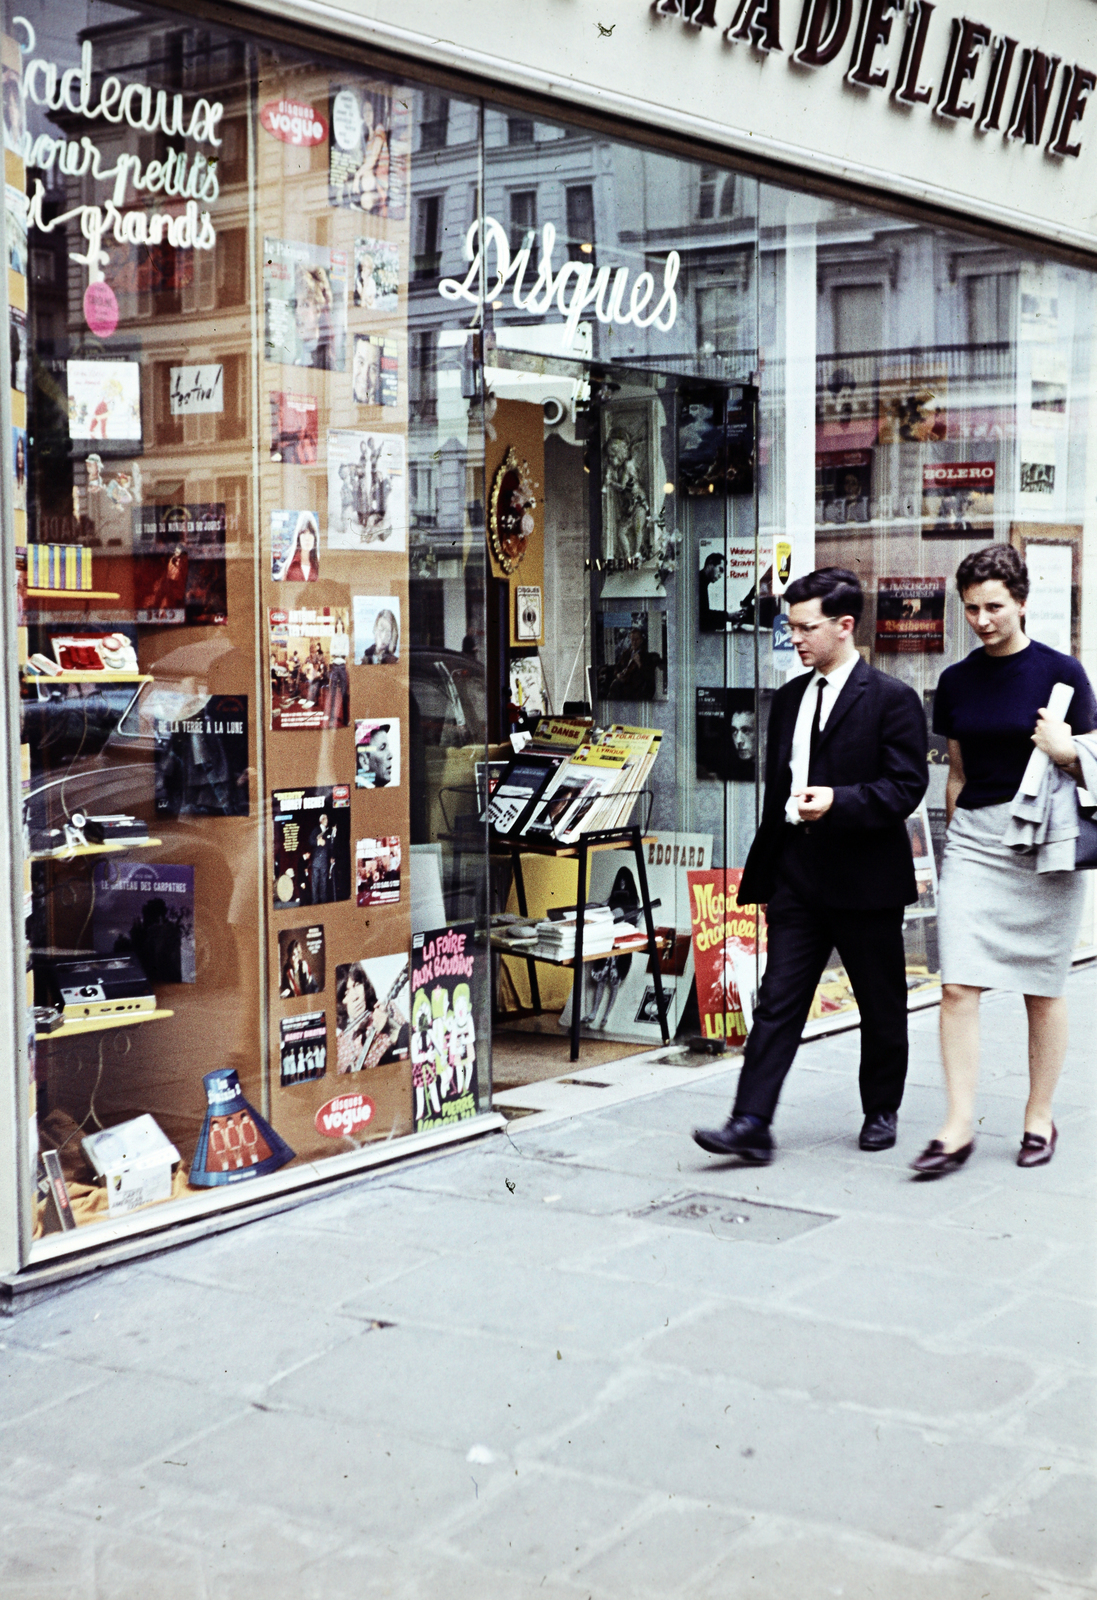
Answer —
(813, 744)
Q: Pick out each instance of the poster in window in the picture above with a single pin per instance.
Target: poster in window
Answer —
(376, 370)
(104, 496)
(179, 574)
(303, 1048)
(727, 941)
(619, 990)
(148, 912)
(301, 961)
(376, 276)
(726, 734)
(371, 1012)
(957, 499)
(910, 616)
(726, 585)
(843, 486)
(305, 304)
(846, 406)
(19, 468)
(447, 972)
(377, 872)
(309, 685)
(529, 696)
(632, 654)
(715, 442)
(294, 429)
(913, 404)
(370, 154)
(201, 759)
(104, 400)
(367, 491)
(294, 546)
(311, 846)
(376, 629)
(377, 753)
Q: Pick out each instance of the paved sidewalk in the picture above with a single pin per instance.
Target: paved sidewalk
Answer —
(516, 1371)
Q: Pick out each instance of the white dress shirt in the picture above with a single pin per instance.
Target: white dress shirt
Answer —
(835, 682)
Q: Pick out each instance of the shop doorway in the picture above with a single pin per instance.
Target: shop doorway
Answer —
(635, 605)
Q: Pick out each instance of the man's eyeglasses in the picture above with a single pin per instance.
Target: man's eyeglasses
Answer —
(804, 630)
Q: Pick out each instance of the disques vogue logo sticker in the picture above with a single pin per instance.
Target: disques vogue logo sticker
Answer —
(347, 1114)
(294, 122)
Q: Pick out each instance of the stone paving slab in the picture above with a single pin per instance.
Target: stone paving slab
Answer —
(502, 1374)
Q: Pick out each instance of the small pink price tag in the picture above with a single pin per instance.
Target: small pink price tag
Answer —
(100, 309)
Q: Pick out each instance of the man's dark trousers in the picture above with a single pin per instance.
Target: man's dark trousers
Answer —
(802, 933)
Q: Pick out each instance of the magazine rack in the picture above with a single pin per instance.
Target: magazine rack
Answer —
(629, 838)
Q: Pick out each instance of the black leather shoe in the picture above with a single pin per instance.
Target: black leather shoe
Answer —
(740, 1136)
(1036, 1151)
(935, 1161)
(879, 1130)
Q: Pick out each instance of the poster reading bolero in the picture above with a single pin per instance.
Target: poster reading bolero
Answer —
(443, 1030)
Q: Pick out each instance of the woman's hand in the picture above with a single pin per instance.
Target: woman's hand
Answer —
(1054, 739)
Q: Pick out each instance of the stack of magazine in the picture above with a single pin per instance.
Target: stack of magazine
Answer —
(553, 937)
(571, 779)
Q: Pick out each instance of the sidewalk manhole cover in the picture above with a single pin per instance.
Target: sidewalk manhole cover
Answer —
(730, 1218)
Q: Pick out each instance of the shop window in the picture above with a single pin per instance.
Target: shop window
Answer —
(434, 122)
(723, 318)
(715, 193)
(580, 211)
(519, 130)
(428, 237)
(232, 158)
(858, 317)
(167, 428)
(423, 483)
(989, 302)
(523, 216)
(423, 376)
(231, 262)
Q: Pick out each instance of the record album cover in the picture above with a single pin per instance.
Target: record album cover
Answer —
(377, 753)
(303, 1047)
(377, 872)
(179, 574)
(367, 491)
(311, 846)
(371, 1012)
(447, 973)
(146, 910)
(370, 154)
(202, 760)
(309, 650)
(294, 429)
(301, 966)
(305, 304)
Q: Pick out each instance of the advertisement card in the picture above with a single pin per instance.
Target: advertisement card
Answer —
(370, 155)
(376, 629)
(300, 961)
(957, 499)
(376, 276)
(371, 1012)
(910, 616)
(196, 391)
(104, 399)
(726, 953)
(619, 990)
(311, 844)
(726, 734)
(377, 754)
(148, 912)
(377, 872)
(367, 491)
(309, 687)
(179, 574)
(201, 760)
(303, 1047)
(528, 689)
(294, 546)
(376, 370)
(631, 651)
(445, 974)
(294, 429)
(305, 305)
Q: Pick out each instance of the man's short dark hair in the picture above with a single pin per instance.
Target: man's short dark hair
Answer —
(994, 561)
(837, 590)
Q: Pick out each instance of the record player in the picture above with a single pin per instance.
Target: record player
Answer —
(99, 986)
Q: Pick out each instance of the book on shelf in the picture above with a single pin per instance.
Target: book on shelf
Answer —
(58, 566)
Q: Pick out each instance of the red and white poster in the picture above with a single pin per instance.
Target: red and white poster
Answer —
(726, 949)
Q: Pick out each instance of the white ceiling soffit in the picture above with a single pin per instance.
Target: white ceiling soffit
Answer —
(686, 72)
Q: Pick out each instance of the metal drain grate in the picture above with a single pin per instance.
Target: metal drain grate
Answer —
(749, 1221)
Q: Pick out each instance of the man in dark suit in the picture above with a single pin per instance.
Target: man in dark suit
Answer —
(845, 766)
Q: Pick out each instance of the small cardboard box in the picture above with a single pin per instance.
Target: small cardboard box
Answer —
(135, 1160)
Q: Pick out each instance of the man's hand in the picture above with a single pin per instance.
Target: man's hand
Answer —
(813, 803)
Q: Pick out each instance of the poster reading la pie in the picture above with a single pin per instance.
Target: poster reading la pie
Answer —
(444, 976)
(725, 950)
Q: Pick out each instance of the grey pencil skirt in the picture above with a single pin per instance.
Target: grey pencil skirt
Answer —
(1000, 923)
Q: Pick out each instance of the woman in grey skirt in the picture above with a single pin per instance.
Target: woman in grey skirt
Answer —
(1001, 924)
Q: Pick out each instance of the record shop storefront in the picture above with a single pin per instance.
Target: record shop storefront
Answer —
(373, 398)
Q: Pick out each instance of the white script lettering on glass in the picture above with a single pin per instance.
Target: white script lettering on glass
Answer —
(177, 175)
(571, 289)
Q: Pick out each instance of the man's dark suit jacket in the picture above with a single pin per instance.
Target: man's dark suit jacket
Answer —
(872, 753)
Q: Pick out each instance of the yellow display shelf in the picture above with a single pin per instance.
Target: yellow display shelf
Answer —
(72, 594)
(68, 853)
(86, 677)
(68, 1030)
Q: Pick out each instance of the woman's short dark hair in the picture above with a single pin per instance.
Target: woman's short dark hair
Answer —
(999, 562)
(837, 590)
